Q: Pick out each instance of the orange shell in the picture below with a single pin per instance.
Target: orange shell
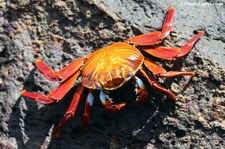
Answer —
(110, 67)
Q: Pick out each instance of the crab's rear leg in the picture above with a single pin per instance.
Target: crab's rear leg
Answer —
(170, 53)
(62, 74)
(155, 85)
(155, 37)
(161, 72)
(70, 111)
(87, 110)
(108, 103)
(56, 94)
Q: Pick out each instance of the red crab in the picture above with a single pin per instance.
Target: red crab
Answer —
(110, 67)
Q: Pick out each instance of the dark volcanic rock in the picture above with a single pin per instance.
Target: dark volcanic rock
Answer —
(63, 31)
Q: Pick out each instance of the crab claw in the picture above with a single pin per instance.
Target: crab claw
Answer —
(141, 91)
(110, 107)
(108, 104)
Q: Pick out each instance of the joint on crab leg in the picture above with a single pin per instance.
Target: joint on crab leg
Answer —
(185, 49)
(70, 111)
(167, 53)
(161, 72)
(155, 85)
(63, 73)
(141, 91)
(155, 37)
(45, 70)
(56, 94)
(59, 92)
(108, 103)
(87, 110)
(171, 53)
(42, 99)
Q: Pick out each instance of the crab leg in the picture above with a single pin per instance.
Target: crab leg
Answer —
(87, 109)
(42, 99)
(168, 23)
(163, 52)
(185, 49)
(63, 73)
(159, 71)
(108, 103)
(56, 94)
(170, 53)
(141, 91)
(155, 37)
(70, 111)
(155, 85)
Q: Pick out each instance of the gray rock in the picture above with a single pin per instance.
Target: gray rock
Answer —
(60, 32)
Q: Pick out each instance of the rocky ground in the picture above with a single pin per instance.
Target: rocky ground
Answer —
(63, 31)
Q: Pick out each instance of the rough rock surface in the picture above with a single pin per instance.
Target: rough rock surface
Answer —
(62, 31)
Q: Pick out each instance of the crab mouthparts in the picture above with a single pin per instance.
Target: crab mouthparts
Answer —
(116, 82)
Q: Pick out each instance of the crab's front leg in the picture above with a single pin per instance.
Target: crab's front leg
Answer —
(108, 103)
(62, 74)
(56, 94)
(68, 75)
(155, 37)
(70, 111)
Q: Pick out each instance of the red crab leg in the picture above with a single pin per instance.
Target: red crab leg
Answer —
(42, 99)
(146, 39)
(63, 73)
(168, 23)
(170, 53)
(56, 94)
(155, 85)
(185, 49)
(70, 111)
(87, 110)
(108, 104)
(141, 91)
(167, 53)
(155, 37)
(159, 71)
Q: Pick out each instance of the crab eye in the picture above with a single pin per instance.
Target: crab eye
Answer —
(129, 75)
(98, 86)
